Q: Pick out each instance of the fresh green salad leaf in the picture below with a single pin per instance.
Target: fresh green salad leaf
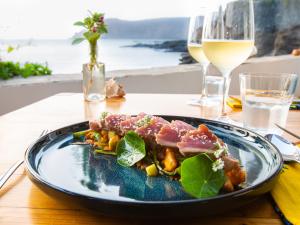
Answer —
(130, 149)
(198, 178)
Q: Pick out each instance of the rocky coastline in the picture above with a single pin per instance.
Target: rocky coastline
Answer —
(169, 46)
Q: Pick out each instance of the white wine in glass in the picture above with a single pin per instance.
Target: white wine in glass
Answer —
(228, 38)
(196, 51)
(228, 54)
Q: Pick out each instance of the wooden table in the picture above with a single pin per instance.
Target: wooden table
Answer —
(22, 203)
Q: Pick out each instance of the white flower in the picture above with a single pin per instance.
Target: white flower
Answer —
(222, 149)
(218, 165)
(145, 121)
(219, 152)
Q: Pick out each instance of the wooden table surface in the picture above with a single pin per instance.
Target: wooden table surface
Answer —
(23, 203)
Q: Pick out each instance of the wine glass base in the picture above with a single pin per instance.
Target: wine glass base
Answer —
(226, 119)
(203, 102)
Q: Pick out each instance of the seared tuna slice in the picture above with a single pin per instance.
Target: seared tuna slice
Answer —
(98, 125)
(198, 141)
(131, 123)
(95, 125)
(170, 134)
(112, 122)
(149, 126)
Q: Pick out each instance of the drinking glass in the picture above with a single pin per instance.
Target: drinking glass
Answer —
(266, 99)
(228, 38)
(194, 44)
(214, 88)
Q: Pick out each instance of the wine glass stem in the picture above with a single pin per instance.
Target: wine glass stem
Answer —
(226, 84)
(204, 71)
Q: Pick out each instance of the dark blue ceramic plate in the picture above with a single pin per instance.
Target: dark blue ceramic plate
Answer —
(72, 172)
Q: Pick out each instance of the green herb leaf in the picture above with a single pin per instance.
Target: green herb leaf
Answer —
(10, 49)
(79, 23)
(198, 179)
(77, 41)
(91, 36)
(130, 149)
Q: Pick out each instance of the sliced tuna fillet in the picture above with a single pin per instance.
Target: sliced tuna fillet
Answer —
(149, 126)
(170, 134)
(198, 141)
(112, 122)
(131, 123)
(95, 125)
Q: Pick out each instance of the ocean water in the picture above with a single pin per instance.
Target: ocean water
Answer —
(64, 58)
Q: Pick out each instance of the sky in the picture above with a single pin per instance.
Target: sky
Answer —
(51, 19)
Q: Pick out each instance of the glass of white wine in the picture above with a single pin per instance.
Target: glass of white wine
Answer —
(194, 45)
(228, 38)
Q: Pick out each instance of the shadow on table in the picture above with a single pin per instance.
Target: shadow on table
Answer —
(92, 110)
(59, 212)
(13, 181)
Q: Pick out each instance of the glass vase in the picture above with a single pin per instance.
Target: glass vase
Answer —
(93, 82)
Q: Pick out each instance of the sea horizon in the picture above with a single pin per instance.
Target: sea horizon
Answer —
(64, 58)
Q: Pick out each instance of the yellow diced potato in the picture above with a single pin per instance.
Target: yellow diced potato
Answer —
(151, 170)
(170, 162)
(104, 132)
(111, 134)
(113, 142)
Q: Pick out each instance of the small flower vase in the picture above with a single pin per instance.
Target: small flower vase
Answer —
(93, 81)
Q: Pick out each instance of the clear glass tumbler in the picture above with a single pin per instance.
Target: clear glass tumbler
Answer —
(93, 82)
(214, 91)
(214, 87)
(266, 99)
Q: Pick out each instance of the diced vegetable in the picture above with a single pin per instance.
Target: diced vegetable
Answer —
(104, 139)
(113, 141)
(80, 134)
(111, 134)
(104, 132)
(152, 170)
(96, 136)
(170, 161)
(100, 151)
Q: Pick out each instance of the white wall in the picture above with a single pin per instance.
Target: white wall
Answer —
(19, 92)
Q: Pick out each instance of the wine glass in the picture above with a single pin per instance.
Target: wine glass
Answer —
(194, 45)
(228, 38)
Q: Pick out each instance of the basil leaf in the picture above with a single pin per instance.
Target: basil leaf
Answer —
(198, 179)
(130, 149)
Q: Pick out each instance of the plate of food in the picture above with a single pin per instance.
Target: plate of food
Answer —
(154, 166)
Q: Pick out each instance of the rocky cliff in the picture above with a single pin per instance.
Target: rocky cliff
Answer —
(277, 25)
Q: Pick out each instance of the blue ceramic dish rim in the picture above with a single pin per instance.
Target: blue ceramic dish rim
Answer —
(234, 194)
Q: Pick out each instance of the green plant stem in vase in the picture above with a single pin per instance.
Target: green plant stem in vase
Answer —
(93, 72)
(93, 53)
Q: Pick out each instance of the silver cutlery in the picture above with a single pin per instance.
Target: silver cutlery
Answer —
(287, 131)
(288, 151)
(4, 177)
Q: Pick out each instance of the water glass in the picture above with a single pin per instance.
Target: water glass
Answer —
(214, 91)
(214, 87)
(266, 99)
